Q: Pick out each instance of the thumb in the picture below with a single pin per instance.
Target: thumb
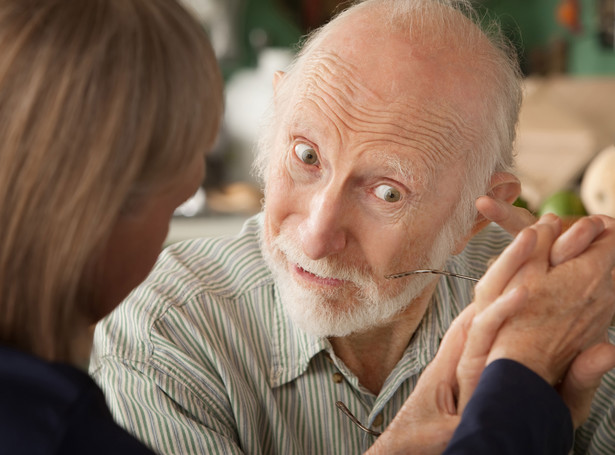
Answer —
(444, 365)
(480, 339)
(583, 378)
(437, 386)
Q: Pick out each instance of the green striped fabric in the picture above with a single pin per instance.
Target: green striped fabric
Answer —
(201, 359)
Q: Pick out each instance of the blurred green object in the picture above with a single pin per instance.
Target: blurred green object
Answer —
(260, 24)
(520, 202)
(564, 203)
(533, 27)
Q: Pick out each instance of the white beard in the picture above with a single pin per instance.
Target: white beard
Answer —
(356, 307)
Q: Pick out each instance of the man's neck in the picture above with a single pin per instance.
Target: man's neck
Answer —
(372, 355)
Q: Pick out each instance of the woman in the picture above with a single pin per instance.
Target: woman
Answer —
(106, 110)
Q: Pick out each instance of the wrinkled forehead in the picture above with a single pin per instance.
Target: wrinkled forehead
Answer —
(369, 103)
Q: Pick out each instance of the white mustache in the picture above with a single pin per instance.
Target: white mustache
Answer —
(323, 268)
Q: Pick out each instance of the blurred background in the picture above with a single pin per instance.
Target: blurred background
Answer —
(567, 53)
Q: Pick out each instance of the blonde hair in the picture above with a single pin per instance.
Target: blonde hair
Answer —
(100, 101)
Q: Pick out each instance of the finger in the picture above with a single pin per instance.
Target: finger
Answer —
(439, 378)
(583, 378)
(444, 365)
(510, 218)
(432, 403)
(533, 242)
(598, 258)
(547, 230)
(485, 326)
(576, 239)
(480, 339)
(499, 274)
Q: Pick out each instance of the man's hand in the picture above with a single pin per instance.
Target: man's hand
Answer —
(545, 302)
(583, 378)
(512, 219)
(571, 303)
(427, 420)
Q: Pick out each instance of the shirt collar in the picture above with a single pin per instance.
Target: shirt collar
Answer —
(292, 348)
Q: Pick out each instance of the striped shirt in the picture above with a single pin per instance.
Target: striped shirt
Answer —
(201, 358)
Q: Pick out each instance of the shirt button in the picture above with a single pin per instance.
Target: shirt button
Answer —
(338, 377)
(378, 420)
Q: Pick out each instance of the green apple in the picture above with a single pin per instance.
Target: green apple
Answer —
(564, 203)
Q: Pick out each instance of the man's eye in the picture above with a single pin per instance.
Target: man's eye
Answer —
(306, 154)
(388, 193)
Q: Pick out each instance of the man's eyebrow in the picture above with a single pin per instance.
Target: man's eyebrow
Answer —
(411, 171)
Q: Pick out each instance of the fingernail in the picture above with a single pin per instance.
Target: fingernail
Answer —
(548, 218)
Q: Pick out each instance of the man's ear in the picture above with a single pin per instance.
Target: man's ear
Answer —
(503, 186)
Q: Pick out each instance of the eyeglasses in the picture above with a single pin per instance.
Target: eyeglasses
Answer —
(435, 271)
(341, 406)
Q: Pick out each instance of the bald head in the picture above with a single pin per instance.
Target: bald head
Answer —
(423, 60)
(471, 71)
(426, 51)
(390, 35)
(434, 25)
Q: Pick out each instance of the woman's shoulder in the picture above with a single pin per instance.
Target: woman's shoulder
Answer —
(55, 408)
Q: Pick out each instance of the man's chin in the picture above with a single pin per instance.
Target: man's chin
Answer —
(321, 324)
(324, 315)
(333, 324)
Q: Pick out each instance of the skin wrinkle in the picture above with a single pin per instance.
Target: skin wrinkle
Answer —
(387, 164)
(398, 166)
(324, 158)
(322, 65)
(435, 130)
(402, 169)
(401, 210)
(420, 138)
(424, 147)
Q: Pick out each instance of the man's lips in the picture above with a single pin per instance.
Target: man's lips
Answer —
(315, 279)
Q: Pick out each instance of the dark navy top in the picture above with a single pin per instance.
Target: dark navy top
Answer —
(513, 411)
(52, 408)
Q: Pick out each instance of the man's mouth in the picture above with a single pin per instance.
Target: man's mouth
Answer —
(315, 279)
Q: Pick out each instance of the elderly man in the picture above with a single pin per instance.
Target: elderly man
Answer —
(393, 120)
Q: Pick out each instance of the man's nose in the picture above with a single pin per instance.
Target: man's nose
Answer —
(323, 232)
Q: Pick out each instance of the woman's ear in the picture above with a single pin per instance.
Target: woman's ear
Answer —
(503, 186)
(277, 77)
(277, 83)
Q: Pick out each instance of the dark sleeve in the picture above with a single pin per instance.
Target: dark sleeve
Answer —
(93, 431)
(513, 411)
